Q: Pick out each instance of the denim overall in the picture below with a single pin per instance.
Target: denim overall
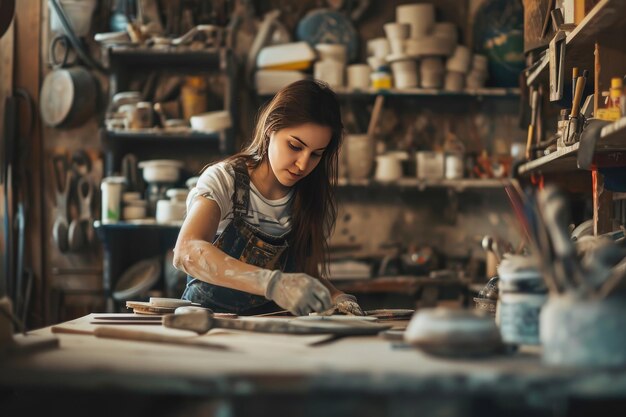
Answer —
(248, 244)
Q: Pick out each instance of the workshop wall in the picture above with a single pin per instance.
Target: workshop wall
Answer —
(449, 221)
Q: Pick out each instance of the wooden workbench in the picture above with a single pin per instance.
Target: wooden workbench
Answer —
(289, 375)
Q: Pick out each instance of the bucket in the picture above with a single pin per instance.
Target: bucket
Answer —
(78, 12)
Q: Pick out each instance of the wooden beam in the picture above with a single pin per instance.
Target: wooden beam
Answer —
(27, 77)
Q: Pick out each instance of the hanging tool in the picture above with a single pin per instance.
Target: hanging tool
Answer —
(533, 120)
(62, 180)
(574, 125)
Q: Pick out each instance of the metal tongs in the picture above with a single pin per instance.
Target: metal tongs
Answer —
(213, 35)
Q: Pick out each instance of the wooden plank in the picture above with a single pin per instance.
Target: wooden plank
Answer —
(27, 64)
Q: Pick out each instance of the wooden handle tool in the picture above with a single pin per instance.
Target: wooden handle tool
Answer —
(531, 127)
(574, 78)
(136, 335)
(578, 95)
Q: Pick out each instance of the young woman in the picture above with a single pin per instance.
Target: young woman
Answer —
(255, 236)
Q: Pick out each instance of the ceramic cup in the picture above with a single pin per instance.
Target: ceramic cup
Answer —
(421, 18)
(454, 81)
(447, 30)
(359, 76)
(378, 47)
(397, 30)
(332, 52)
(359, 155)
(388, 168)
(460, 60)
(404, 74)
(431, 72)
(330, 72)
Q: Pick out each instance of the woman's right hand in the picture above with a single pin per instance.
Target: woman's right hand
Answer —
(299, 293)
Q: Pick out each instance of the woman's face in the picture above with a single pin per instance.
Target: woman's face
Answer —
(295, 151)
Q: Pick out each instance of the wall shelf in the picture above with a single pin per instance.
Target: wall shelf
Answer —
(605, 18)
(161, 135)
(458, 184)
(487, 92)
(432, 92)
(610, 151)
(165, 57)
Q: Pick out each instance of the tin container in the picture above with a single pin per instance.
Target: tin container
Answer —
(522, 294)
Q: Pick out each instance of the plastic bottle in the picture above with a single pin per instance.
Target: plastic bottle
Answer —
(615, 95)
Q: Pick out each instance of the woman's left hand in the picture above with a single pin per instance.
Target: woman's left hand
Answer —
(347, 304)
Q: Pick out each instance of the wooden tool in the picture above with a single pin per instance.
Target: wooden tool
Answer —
(378, 108)
(573, 126)
(531, 127)
(202, 322)
(126, 334)
(138, 335)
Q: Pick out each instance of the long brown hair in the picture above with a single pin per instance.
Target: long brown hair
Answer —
(313, 209)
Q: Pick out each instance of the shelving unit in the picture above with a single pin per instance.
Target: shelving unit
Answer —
(610, 151)
(604, 19)
(126, 63)
(596, 44)
(128, 60)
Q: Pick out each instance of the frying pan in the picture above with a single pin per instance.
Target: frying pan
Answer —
(7, 9)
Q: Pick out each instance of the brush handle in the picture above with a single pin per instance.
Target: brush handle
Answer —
(578, 95)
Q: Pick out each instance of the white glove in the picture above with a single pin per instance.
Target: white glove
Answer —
(299, 293)
(347, 304)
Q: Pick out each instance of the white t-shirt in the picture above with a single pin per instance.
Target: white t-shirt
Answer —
(217, 183)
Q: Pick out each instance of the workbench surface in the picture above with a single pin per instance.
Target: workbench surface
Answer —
(263, 366)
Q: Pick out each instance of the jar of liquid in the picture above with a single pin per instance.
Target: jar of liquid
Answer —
(381, 78)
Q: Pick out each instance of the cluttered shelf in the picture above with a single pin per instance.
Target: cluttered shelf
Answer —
(167, 56)
(430, 92)
(424, 92)
(579, 43)
(611, 145)
(161, 135)
(459, 184)
(145, 225)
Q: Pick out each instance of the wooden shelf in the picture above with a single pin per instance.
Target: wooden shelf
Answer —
(458, 184)
(611, 147)
(478, 93)
(147, 226)
(161, 135)
(432, 92)
(605, 18)
(165, 57)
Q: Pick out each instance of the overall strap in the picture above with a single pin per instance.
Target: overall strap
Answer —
(241, 195)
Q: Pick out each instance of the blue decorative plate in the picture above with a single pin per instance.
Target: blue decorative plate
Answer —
(327, 26)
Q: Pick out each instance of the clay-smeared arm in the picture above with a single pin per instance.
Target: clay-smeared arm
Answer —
(195, 255)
